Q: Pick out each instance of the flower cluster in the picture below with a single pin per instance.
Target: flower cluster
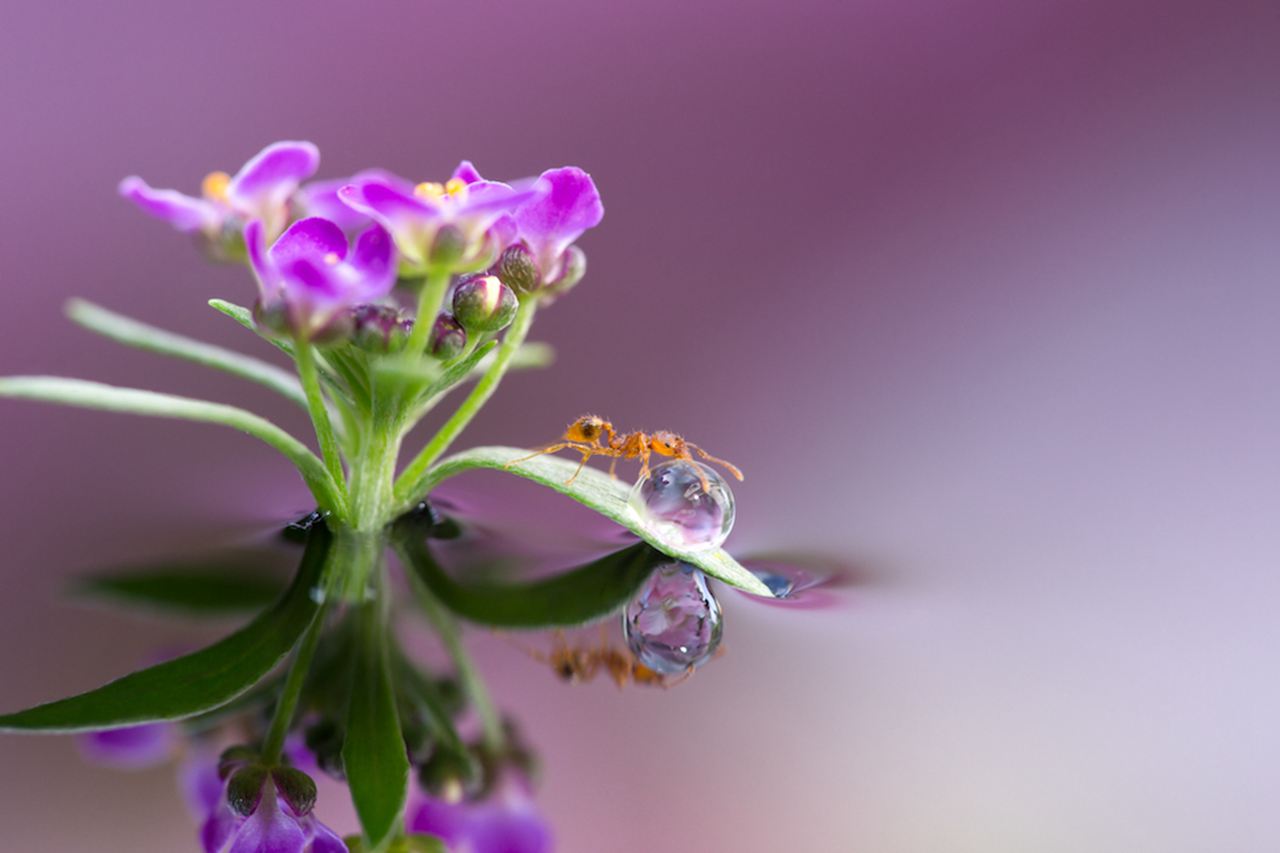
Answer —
(322, 251)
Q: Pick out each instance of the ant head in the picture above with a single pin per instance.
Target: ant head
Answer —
(585, 428)
(666, 443)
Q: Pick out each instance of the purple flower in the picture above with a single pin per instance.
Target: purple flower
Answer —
(130, 748)
(320, 198)
(462, 223)
(506, 822)
(312, 275)
(261, 190)
(273, 826)
(549, 223)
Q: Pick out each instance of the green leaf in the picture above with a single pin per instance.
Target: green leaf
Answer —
(244, 317)
(415, 843)
(374, 755)
(110, 398)
(532, 355)
(199, 590)
(194, 683)
(596, 490)
(572, 598)
(133, 333)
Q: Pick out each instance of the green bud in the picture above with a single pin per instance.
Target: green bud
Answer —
(447, 247)
(450, 775)
(573, 266)
(297, 788)
(447, 337)
(517, 270)
(483, 303)
(244, 791)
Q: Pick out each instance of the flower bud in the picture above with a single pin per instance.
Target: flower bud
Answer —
(447, 247)
(573, 266)
(325, 740)
(450, 775)
(517, 270)
(484, 304)
(447, 337)
(244, 791)
(379, 328)
(297, 789)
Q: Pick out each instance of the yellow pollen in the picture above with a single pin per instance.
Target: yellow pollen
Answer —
(332, 258)
(433, 191)
(214, 186)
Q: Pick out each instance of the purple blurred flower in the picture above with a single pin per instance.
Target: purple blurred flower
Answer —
(462, 223)
(274, 826)
(549, 223)
(131, 748)
(320, 198)
(506, 822)
(262, 190)
(312, 275)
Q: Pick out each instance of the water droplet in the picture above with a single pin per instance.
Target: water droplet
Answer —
(793, 586)
(676, 507)
(673, 623)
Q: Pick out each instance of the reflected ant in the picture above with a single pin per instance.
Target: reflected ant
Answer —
(592, 435)
(582, 663)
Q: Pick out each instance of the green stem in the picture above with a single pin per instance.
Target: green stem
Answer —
(408, 486)
(273, 746)
(472, 684)
(306, 358)
(433, 288)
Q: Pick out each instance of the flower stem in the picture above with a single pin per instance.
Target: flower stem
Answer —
(433, 288)
(472, 684)
(273, 745)
(409, 484)
(306, 358)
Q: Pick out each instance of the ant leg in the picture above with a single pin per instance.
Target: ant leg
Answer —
(587, 452)
(667, 684)
(613, 468)
(536, 654)
(550, 448)
(728, 466)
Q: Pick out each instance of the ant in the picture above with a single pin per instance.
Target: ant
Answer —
(583, 663)
(592, 435)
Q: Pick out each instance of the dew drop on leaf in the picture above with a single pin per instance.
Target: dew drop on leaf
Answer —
(684, 504)
(673, 623)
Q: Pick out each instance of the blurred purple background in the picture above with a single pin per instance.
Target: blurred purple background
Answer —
(982, 295)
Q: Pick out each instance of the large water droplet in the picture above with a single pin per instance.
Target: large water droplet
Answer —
(685, 504)
(673, 623)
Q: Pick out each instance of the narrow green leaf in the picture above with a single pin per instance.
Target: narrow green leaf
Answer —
(194, 683)
(110, 398)
(573, 598)
(596, 490)
(200, 590)
(415, 843)
(244, 317)
(532, 355)
(133, 333)
(374, 754)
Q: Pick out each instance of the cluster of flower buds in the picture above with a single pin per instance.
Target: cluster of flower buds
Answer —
(323, 251)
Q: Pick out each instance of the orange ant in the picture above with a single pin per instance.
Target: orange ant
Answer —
(592, 435)
(583, 663)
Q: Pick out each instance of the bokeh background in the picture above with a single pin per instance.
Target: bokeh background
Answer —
(982, 294)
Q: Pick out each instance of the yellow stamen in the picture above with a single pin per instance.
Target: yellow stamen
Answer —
(429, 190)
(433, 191)
(214, 186)
(331, 258)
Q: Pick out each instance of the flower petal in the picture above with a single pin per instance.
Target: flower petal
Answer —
(202, 790)
(255, 242)
(570, 206)
(218, 828)
(184, 212)
(312, 238)
(269, 830)
(320, 198)
(374, 260)
(323, 839)
(129, 748)
(274, 172)
(450, 822)
(467, 173)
